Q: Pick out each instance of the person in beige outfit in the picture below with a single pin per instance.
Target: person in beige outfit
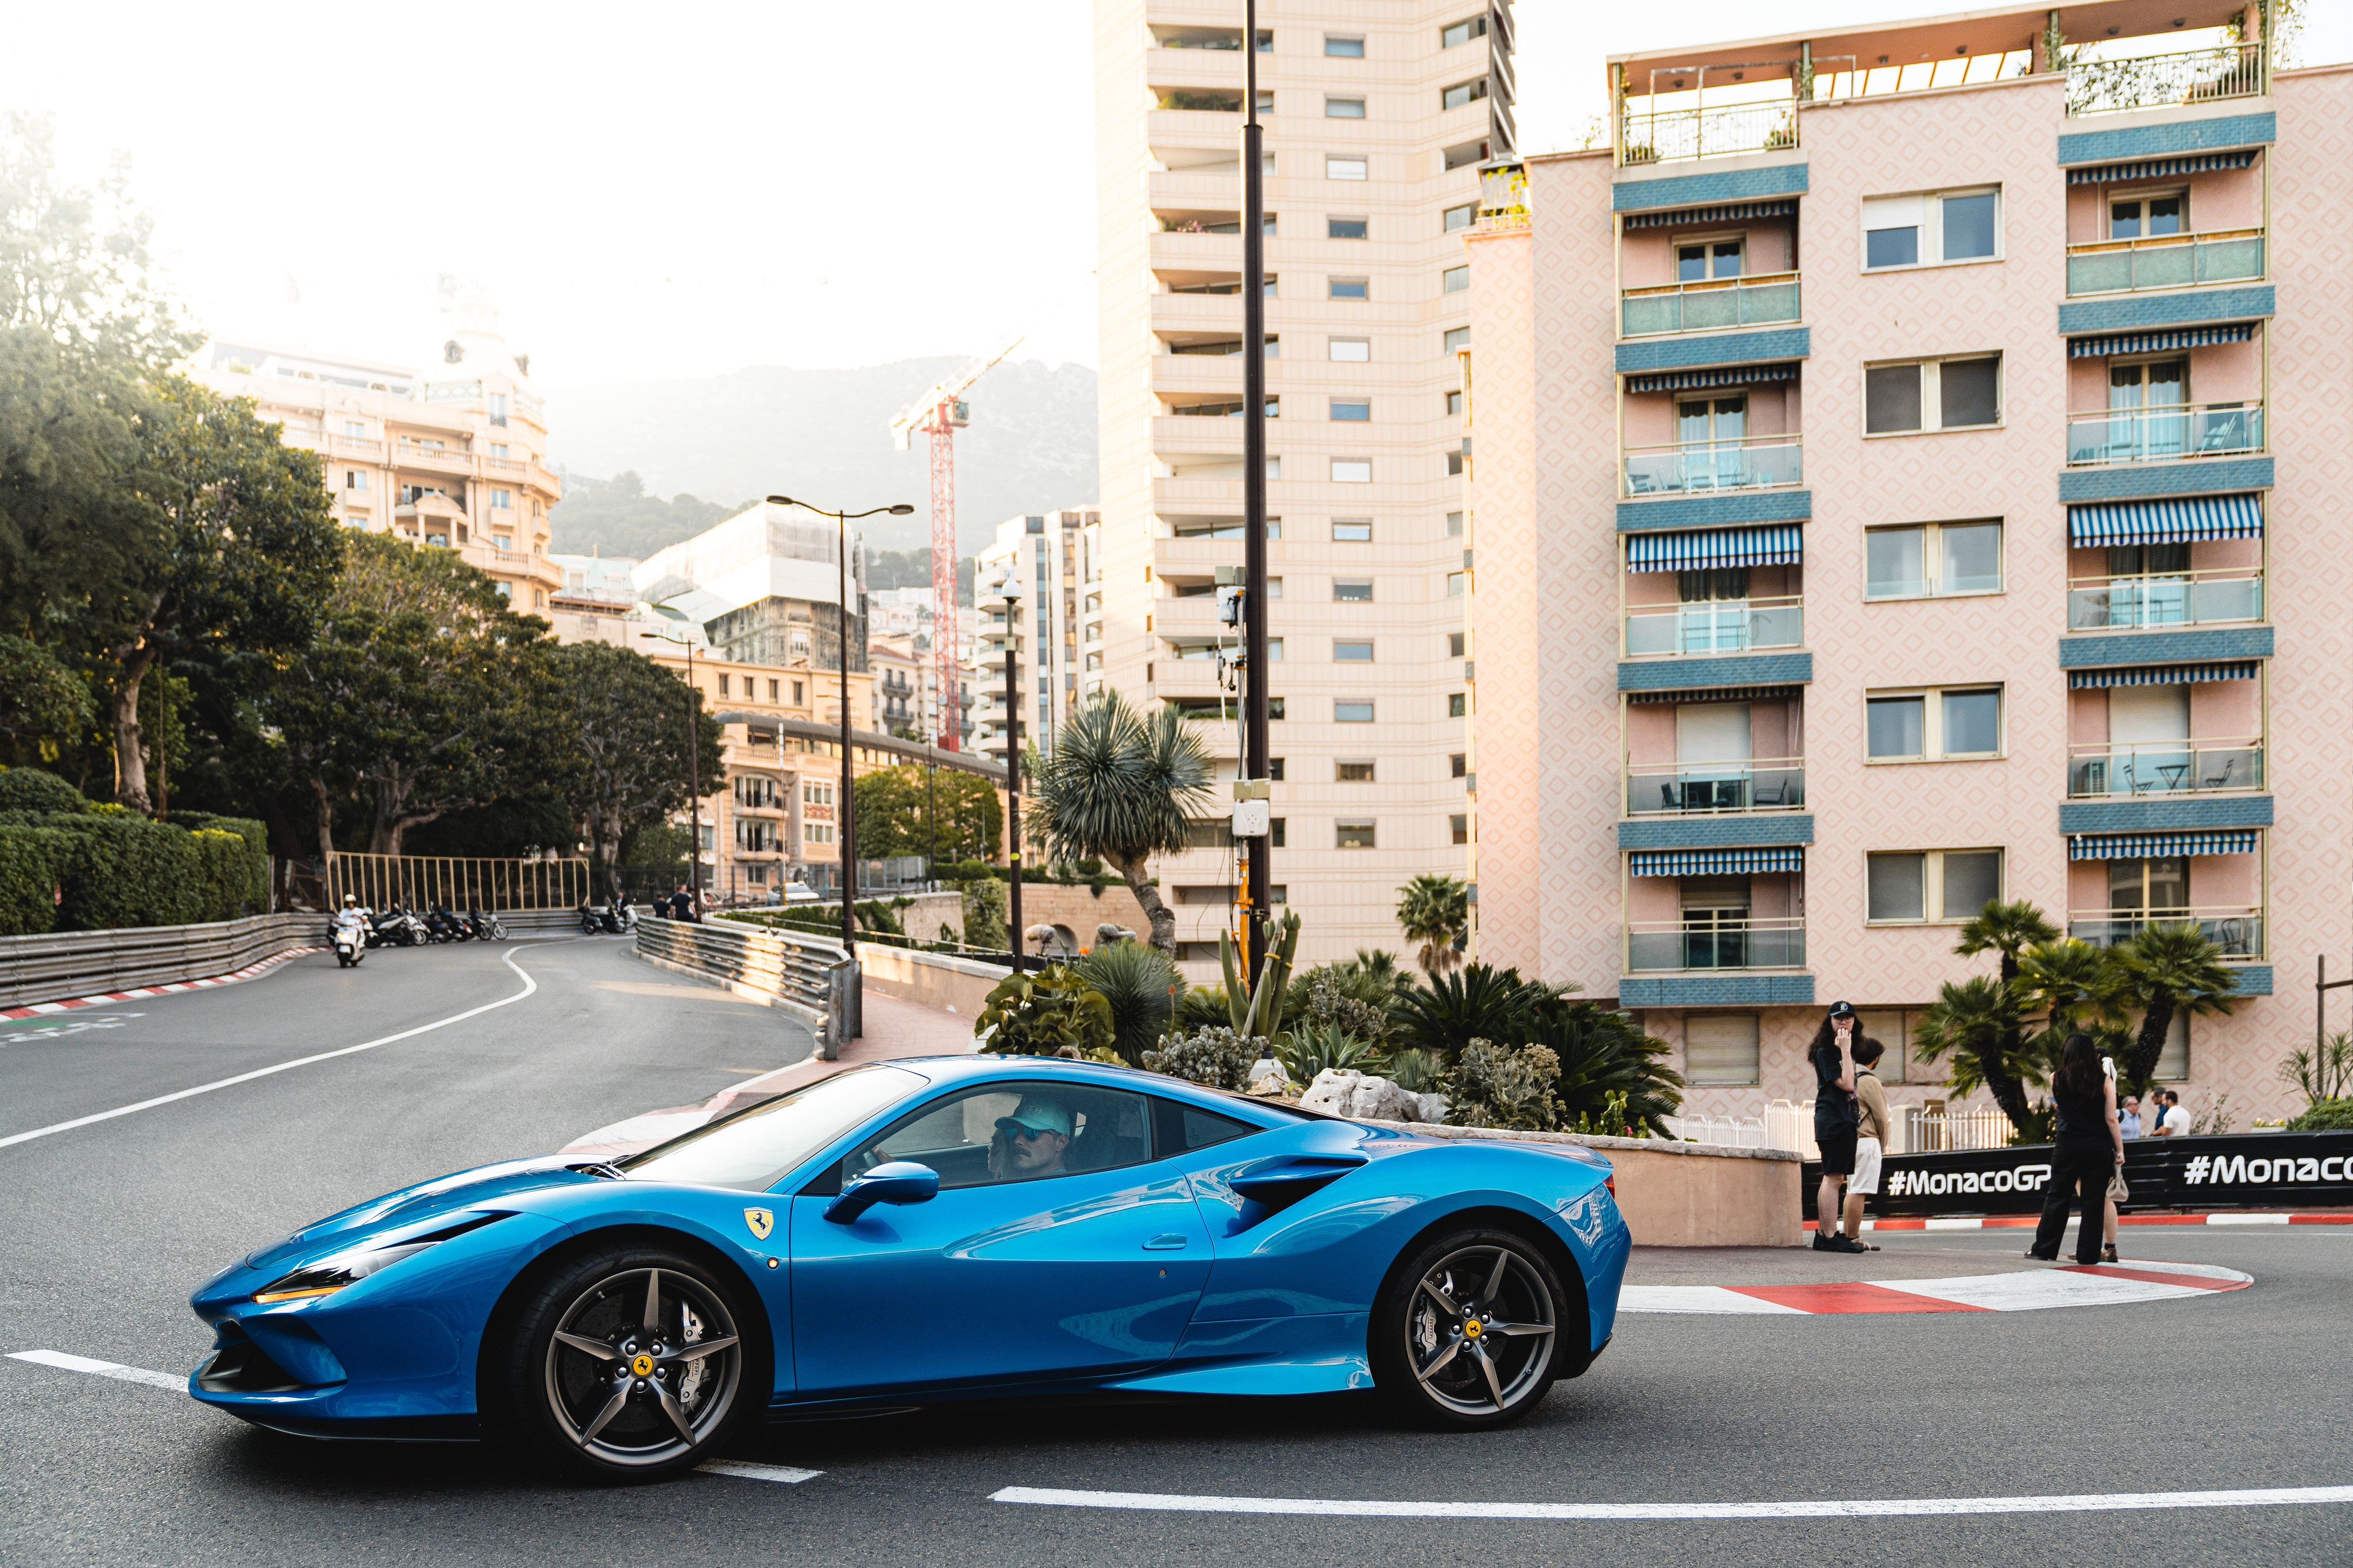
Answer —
(1870, 1136)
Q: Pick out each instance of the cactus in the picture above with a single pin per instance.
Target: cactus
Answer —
(1258, 1012)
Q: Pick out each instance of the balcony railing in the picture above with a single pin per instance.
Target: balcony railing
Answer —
(1757, 463)
(1665, 136)
(2179, 599)
(1651, 946)
(1704, 307)
(1714, 627)
(2239, 932)
(2166, 81)
(2164, 767)
(2165, 261)
(2164, 434)
(1685, 789)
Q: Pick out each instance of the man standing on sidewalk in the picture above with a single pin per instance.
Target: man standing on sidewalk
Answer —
(1870, 1137)
(1836, 1114)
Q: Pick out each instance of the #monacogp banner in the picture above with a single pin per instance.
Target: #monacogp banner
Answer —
(2251, 1170)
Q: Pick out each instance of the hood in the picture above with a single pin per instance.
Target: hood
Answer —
(410, 1206)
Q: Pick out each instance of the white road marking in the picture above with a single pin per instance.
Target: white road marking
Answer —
(529, 985)
(1860, 1508)
(751, 1472)
(65, 1362)
(1694, 1298)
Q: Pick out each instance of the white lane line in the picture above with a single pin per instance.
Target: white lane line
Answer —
(751, 1472)
(1696, 1298)
(1860, 1508)
(529, 985)
(65, 1362)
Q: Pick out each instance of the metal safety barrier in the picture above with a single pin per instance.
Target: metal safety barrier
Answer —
(59, 964)
(810, 978)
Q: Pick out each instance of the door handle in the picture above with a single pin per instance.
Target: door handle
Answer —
(1164, 1244)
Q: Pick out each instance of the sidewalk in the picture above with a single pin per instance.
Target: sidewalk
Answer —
(2200, 1216)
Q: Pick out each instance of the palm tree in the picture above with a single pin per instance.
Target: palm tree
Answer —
(1976, 1023)
(2061, 980)
(1480, 1004)
(1115, 787)
(2165, 970)
(1602, 1054)
(1434, 910)
(2009, 929)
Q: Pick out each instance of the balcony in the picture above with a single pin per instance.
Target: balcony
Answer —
(1705, 468)
(2239, 932)
(2173, 599)
(1704, 307)
(2165, 261)
(1657, 946)
(1714, 626)
(1673, 135)
(2106, 771)
(2164, 434)
(2166, 81)
(1715, 789)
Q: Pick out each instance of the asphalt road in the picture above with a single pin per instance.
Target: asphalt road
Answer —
(106, 1227)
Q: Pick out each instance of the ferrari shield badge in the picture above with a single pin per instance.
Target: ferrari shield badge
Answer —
(761, 1221)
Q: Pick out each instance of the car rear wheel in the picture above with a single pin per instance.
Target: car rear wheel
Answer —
(632, 1363)
(1465, 1331)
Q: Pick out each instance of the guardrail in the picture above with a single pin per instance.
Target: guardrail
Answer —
(59, 964)
(809, 978)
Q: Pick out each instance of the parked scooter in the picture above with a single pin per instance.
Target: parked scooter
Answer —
(440, 925)
(485, 928)
(396, 928)
(614, 918)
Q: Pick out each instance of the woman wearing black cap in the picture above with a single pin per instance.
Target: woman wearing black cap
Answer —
(1836, 1115)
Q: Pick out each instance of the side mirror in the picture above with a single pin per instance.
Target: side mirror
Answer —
(898, 1181)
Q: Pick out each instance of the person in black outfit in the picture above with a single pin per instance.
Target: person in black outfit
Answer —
(2087, 1145)
(1836, 1116)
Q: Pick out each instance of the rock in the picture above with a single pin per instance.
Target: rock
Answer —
(1378, 1099)
(1332, 1091)
(1269, 1076)
(1429, 1108)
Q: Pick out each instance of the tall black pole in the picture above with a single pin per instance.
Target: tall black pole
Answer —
(694, 779)
(1013, 782)
(1254, 762)
(846, 814)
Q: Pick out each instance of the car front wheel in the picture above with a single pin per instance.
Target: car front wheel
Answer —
(1465, 1331)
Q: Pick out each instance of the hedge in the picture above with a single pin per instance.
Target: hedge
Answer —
(32, 789)
(33, 861)
(246, 891)
(118, 871)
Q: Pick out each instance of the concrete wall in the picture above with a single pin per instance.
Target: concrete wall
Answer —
(1080, 909)
(958, 985)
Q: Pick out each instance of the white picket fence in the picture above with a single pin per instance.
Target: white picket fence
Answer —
(1789, 1124)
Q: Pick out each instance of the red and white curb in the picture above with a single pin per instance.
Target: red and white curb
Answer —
(250, 972)
(2024, 1290)
(2028, 1221)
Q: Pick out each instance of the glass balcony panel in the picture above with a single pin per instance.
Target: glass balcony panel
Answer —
(2164, 434)
(2240, 934)
(2110, 267)
(1758, 944)
(1681, 789)
(1707, 306)
(1763, 462)
(1723, 625)
(2131, 604)
(2189, 768)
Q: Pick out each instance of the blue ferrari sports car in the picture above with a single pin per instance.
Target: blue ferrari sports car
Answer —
(945, 1229)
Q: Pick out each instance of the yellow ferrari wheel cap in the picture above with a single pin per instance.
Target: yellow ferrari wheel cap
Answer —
(643, 1366)
(1472, 1329)
(762, 1223)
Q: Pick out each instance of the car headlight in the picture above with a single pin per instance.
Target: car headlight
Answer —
(330, 1274)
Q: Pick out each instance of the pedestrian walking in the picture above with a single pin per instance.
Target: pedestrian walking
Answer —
(1870, 1137)
(1836, 1115)
(2087, 1148)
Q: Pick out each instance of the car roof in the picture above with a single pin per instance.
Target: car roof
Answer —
(967, 1068)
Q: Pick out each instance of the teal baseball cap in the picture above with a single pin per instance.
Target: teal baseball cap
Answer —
(1037, 1116)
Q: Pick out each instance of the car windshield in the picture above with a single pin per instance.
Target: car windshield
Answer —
(756, 1150)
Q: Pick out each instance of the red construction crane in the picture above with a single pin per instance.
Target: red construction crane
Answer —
(939, 413)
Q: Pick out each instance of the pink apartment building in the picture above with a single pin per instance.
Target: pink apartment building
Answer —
(1943, 498)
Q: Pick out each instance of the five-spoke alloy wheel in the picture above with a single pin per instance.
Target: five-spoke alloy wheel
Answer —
(1464, 1332)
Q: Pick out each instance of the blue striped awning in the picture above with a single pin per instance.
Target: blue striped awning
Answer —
(2188, 520)
(2153, 846)
(1675, 218)
(2163, 673)
(2153, 342)
(1712, 694)
(1722, 375)
(1712, 862)
(1780, 544)
(2158, 168)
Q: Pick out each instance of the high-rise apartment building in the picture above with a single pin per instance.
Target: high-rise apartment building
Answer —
(1050, 561)
(1377, 121)
(1909, 473)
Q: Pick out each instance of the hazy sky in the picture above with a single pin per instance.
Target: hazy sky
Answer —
(670, 191)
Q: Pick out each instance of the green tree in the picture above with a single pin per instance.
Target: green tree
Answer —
(1976, 1023)
(42, 702)
(1434, 911)
(1116, 788)
(2162, 971)
(626, 718)
(2009, 929)
(896, 807)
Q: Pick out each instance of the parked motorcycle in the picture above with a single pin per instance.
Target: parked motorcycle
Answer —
(440, 925)
(614, 918)
(485, 928)
(396, 928)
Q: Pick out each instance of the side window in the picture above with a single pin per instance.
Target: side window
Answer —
(1185, 1127)
(1015, 1133)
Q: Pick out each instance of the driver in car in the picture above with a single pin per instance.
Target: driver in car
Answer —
(1032, 1142)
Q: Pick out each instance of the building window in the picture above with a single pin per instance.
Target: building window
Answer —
(1352, 836)
(1457, 584)
(1933, 560)
(796, 693)
(1351, 289)
(1341, 48)
(816, 832)
(354, 480)
(503, 500)
(1932, 395)
(1353, 410)
(1462, 32)
(1338, 168)
(1454, 404)
(1352, 712)
(497, 450)
(723, 683)
(1350, 350)
(1459, 217)
(1453, 525)
(498, 408)
(1352, 590)
(1352, 530)
(1931, 229)
(1719, 1048)
(1344, 109)
(1454, 645)
(1274, 769)
(1454, 460)
(1266, 100)
(1459, 824)
(1352, 653)
(1352, 470)
(1347, 229)
(1458, 704)
(1462, 92)
(1459, 764)
(1905, 886)
(1941, 725)
(1354, 772)
(354, 428)
(1454, 280)
(772, 691)
(1457, 340)
(1274, 826)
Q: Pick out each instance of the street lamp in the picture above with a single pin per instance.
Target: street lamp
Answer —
(846, 814)
(1011, 591)
(693, 768)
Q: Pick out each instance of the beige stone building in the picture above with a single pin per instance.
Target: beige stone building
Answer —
(1377, 120)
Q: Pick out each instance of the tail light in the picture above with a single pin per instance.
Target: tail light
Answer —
(1609, 1186)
